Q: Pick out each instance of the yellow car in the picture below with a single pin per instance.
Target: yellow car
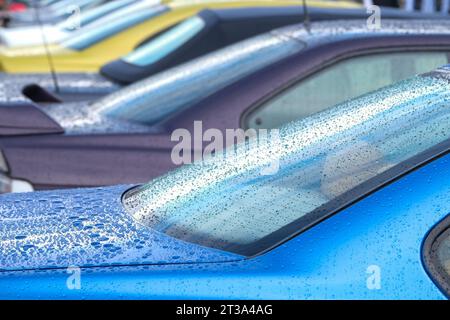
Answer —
(119, 33)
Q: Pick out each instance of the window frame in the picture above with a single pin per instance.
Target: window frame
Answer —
(284, 87)
(429, 255)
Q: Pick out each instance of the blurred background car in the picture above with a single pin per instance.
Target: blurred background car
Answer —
(287, 74)
(351, 180)
(114, 36)
(222, 28)
(205, 32)
(209, 30)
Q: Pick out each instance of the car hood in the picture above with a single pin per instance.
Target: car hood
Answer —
(85, 228)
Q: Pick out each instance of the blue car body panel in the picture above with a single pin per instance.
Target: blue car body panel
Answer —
(329, 261)
(85, 228)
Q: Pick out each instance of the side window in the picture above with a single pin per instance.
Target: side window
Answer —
(342, 81)
(436, 255)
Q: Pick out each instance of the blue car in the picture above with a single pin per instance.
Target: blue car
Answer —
(349, 203)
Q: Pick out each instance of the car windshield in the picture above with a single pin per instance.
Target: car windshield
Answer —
(166, 43)
(86, 17)
(231, 202)
(114, 23)
(155, 98)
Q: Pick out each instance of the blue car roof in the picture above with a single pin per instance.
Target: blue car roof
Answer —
(396, 128)
(85, 228)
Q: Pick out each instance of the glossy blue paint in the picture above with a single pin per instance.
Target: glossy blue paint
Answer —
(328, 261)
(85, 228)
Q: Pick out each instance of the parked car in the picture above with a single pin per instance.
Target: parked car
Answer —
(115, 35)
(88, 144)
(359, 188)
(214, 29)
(54, 33)
(209, 30)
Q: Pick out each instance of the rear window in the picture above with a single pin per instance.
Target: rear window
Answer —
(166, 43)
(323, 161)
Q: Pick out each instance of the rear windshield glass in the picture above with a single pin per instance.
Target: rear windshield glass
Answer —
(166, 43)
(113, 24)
(234, 205)
(155, 98)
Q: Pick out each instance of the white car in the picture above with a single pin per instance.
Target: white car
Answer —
(34, 35)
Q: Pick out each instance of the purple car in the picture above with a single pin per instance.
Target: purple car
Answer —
(264, 82)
